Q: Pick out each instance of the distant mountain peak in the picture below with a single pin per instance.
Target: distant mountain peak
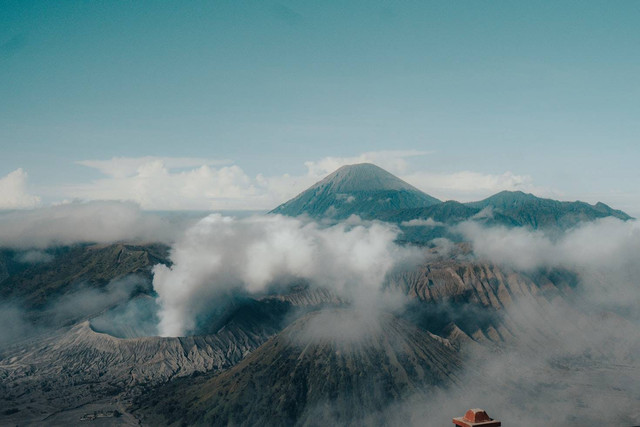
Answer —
(362, 189)
(363, 177)
(371, 192)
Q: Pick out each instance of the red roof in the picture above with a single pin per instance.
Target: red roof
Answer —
(476, 417)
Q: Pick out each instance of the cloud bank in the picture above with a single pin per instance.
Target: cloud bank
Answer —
(467, 186)
(220, 255)
(605, 253)
(93, 222)
(574, 357)
(604, 242)
(170, 184)
(175, 183)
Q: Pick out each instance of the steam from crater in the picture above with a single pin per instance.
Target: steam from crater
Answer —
(222, 255)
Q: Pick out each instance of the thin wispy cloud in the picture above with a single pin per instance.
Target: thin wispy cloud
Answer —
(468, 186)
(119, 167)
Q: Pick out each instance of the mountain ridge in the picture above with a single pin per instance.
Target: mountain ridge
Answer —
(372, 193)
(362, 189)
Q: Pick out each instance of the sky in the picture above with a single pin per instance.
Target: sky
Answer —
(242, 104)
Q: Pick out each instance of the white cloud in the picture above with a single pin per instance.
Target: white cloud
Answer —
(120, 167)
(462, 185)
(219, 255)
(280, 188)
(470, 186)
(165, 183)
(13, 191)
(155, 185)
(95, 222)
(604, 252)
(486, 213)
(429, 222)
(585, 344)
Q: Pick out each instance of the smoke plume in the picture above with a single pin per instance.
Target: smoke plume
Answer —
(222, 255)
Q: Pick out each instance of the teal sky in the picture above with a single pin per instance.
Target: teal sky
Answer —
(547, 90)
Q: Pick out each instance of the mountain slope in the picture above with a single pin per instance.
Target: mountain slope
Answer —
(373, 193)
(474, 296)
(92, 265)
(445, 213)
(508, 208)
(529, 210)
(72, 372)
(307, 375)
(362, 189)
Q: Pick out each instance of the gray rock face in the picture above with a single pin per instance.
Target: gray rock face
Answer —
(80, 366)
(52, 378)
(460, 300)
